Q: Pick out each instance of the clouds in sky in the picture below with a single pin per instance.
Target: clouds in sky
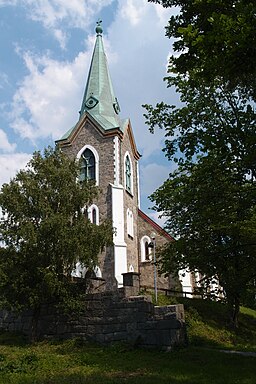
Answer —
(48, 96)
(47, 100)
(5, 145)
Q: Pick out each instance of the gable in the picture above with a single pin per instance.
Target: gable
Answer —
(152, 224)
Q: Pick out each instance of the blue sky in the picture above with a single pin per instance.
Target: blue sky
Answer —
(45, 51)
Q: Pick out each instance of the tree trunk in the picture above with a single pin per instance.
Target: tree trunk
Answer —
(34, 328)
(234, 312)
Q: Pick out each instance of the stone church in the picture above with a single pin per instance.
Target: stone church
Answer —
(106, 147)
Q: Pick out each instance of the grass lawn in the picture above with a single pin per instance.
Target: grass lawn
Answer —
(207, 326)
(74, 362)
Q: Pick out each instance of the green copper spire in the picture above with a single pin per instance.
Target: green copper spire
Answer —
(99, 99)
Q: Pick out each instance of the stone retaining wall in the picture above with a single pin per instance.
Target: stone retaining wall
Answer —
(109, 317)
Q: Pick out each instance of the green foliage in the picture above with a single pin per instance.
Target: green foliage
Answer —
(210, 198)
(45, 232)
(214, 38)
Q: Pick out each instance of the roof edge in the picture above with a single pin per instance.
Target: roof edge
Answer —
(156, 226)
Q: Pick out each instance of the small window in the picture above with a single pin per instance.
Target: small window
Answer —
(145, 250)
(93, 214)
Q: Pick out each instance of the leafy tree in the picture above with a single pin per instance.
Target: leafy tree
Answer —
(211, 210)
(210, 198)
(45, 233)
(214, 38)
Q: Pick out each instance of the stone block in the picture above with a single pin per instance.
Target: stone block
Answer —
(168, 324)
(147, 325)
(119, 336)
(150, 337)
(112, 328)
(131, 327)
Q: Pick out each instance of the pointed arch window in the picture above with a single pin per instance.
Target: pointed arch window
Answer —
(89, 161)
(87, 165)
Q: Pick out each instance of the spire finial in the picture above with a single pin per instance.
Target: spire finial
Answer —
(99, 29)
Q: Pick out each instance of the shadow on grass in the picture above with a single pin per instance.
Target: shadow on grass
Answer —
(207, 325)
(190, 366)
(13, 339)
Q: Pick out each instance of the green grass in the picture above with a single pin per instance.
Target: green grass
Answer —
(73, 362)
(207, 325)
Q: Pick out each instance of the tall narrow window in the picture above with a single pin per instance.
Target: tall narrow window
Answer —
(146, 251)
(94, 216)
(87, 165)
(129, 223)
(128, 181)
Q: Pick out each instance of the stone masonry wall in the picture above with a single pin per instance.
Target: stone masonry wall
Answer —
(109, 317)
(146, 268)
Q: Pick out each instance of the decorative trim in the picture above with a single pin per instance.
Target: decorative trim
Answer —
(138, 183)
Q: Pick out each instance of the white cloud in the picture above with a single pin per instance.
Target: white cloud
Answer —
(138, 71)
(5, 145)
(156, 217)
(10, 164)
(152, 176)
(3, 80)
(47, 102)
(7, 2)
(132, 11)
(58, 15)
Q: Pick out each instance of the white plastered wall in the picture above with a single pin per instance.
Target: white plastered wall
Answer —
(120, 248)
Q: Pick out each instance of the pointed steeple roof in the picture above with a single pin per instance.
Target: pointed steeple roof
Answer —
(99, 99)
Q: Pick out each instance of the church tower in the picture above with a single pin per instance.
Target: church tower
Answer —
(105, 144)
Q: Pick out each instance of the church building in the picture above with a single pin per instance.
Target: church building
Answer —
(106, 147)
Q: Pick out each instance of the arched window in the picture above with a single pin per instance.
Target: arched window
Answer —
(87, 171)
(128, 173)
(93, 214)
(129, 216)
(145, 250)
(89, 159)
